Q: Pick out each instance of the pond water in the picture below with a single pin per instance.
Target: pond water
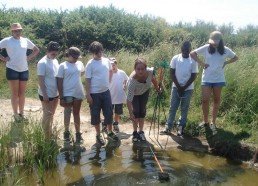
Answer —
(135, 165)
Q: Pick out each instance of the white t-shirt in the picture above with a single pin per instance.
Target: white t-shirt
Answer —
(116, 88)
(48, 68)
(98, 72)
(215, 72)
(16, 50)
(136, 88)
(71, 74)
(184, 67)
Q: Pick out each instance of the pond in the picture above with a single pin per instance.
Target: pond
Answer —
(135, 165)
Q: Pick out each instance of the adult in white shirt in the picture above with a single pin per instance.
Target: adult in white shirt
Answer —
(48, 94)
(17, 72)
(216, 56)
(117, 91)
(183, 72)
(71, 91)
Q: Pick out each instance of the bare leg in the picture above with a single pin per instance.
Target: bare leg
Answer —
(97, 128)
(14, 86)
(22, 89)
(76, 114)
(116, 118)
(48, 114)
(216, 102)
(206, 94)
(67, 117)
(141, 123)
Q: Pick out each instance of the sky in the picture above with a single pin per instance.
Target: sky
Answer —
(239, 13)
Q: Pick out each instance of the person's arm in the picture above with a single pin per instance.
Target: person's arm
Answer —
(35, 52)
(42, 86)
(190, 81)
(60, 87)
(231, 60)
(154, 82)
(194, 55)
(124, 85)
(130, 110)
(87, 89)
(5, 59)
(173, 77)
(110, 75)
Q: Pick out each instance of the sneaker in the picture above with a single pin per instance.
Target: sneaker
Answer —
(203, 124)
(213, 126)
(166, 131)
(67, 137)
(100, 140)
(141, 136)
(104, 128)
(115, 127)
(17, 118)
(135, 137)
(23, 119)
(78, 138)
(179, 130)
(112, 136)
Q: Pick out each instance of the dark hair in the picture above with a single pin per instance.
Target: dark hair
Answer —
(95, 47)
(53, 46)
(221, 48)
(140, 60)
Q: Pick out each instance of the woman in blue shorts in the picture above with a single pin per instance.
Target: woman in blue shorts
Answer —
(215, 56)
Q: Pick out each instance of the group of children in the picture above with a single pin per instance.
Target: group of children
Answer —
(105, 84)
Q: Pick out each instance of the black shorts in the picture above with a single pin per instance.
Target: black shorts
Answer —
(49, 99)
(139, 105)
(14, 75)
(118, 108)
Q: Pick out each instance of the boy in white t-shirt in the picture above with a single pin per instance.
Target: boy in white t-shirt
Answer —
(71, 91)
(183, 71)
(117, 91)
(98, 76)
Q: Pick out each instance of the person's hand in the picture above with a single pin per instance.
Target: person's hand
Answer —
(180, 91)
(132, 117)
(89, 99)
(159, 90)
(205, 65)
(6, 59)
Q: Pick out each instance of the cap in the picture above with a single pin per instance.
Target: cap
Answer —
(215, 37)
(113, 60)
(74, 52)
(16, 26)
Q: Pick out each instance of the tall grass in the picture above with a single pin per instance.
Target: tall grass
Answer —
(23, 147)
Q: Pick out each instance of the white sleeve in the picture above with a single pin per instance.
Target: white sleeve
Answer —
(88, 70)
(201, 50)
(60, 73)
(130, 90)
(194, 67)
(173, 62)
(30, 45)
(3, 43)
(81, 66)
(125, 77)
(41, 69)
(230, 53)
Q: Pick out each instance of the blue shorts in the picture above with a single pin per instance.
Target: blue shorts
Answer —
(14, 75)
(70, 99)
(101, 101)
(219, 84)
